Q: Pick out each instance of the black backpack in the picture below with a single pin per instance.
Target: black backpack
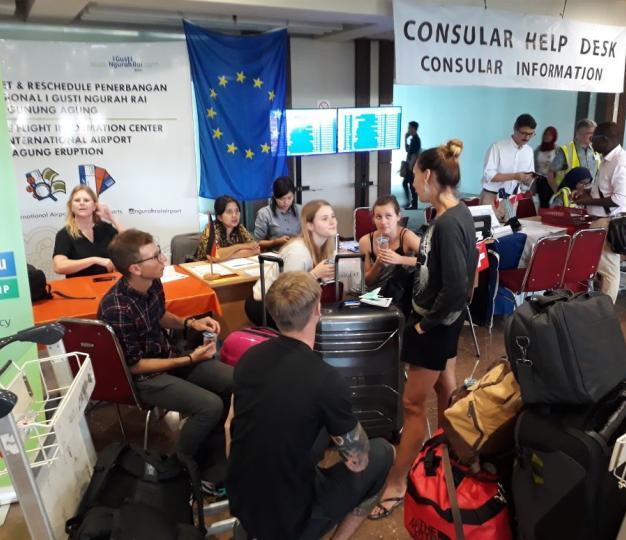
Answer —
(39, 288)
(135, 495)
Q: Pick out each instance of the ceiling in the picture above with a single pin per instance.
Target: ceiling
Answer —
(337, 20)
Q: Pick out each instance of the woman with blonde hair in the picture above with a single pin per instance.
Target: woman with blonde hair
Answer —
(80, 248)
(312, 252)
(446, 263)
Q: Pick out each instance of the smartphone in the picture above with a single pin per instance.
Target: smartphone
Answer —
(208, 337)
(104, 278)
(351, 304)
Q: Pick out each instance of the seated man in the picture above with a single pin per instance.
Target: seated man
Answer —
(195, 384)
(284, 394)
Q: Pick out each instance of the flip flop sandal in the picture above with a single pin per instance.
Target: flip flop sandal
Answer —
(386, 512)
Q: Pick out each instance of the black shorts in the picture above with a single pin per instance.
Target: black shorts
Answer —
(432, 349)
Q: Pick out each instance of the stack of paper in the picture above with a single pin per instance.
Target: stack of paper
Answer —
(373, 299)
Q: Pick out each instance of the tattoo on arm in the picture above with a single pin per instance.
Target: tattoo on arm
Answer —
(354, 448)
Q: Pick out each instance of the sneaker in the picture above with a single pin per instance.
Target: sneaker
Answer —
(410, 207)
(212, 490)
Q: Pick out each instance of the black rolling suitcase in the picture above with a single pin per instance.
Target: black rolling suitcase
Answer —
(363, 343)
(562, 487)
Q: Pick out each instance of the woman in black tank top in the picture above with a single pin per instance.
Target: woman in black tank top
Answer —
(403, 243)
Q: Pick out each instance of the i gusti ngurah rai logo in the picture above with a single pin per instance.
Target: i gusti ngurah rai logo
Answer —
(117, 61)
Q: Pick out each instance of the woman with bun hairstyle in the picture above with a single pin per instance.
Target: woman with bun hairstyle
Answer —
(312, 252)
(81, 247)
(279, 221)
(446, 262)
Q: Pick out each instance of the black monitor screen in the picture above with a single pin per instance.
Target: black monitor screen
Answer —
(311, 131)
(368, 128)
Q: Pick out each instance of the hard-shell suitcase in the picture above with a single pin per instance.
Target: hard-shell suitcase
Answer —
(239, 341)
(562, 487)
(363, 343)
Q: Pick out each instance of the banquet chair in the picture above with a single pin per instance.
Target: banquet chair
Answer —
(364, 222)
(471, 201)
(526, 208)
(114, 382)
(545, 269)
(583, 259)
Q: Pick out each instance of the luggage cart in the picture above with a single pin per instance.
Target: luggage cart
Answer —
(38, 421)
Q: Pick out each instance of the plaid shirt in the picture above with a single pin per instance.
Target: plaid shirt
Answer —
(135, 318)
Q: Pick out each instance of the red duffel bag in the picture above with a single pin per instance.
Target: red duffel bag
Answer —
(480, 512)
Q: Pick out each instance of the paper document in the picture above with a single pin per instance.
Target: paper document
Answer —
(378, 302)
(170, 274)
(238, 263)
(252, 271)
(215, 268)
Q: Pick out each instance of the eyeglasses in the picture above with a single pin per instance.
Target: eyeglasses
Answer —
(156, 256)
(529, 134)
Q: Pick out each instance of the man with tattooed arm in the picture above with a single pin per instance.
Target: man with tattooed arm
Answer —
(284, 397)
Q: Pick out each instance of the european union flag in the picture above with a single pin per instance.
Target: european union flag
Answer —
(240, 87)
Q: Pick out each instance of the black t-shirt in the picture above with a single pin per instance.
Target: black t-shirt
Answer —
(284, 394)
(81, 248)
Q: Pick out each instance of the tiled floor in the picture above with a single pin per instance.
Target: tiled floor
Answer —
(103, 424)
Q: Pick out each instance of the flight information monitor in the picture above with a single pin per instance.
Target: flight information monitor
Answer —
(311, 131)
(368, 128)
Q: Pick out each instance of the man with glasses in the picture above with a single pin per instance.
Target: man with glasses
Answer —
(509, 162)
(195, 384)
(607, 198)
(577, 153)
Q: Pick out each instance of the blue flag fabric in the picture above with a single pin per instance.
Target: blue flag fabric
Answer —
(240, 86)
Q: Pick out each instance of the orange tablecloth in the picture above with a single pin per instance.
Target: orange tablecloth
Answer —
(183, 297)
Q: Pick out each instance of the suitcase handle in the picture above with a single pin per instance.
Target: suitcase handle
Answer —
(546, 300)
(340, 256)
(614, 422)
(262, 260)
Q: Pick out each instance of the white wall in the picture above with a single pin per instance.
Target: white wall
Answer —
(325, 70)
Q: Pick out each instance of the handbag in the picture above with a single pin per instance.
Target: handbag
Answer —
(404, 169)
(616, 235)
(482, 417)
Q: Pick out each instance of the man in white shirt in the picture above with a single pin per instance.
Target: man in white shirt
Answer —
(509, 162)
(606, 198)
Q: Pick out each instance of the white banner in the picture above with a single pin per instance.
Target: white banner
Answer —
(117, 117)
(485, 47)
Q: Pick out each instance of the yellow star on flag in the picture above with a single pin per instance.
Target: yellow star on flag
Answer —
(257, 82)
(265, 148)
(223, 80)
(211, 113)
(217, 133)
(232, 148)
(271, 95)
(241, 76)
(213, 93)
(249, 154)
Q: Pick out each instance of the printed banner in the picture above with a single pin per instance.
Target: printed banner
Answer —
(117, 117)
(437, 45)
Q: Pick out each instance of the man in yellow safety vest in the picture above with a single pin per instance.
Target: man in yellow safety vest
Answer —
(576, 153)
